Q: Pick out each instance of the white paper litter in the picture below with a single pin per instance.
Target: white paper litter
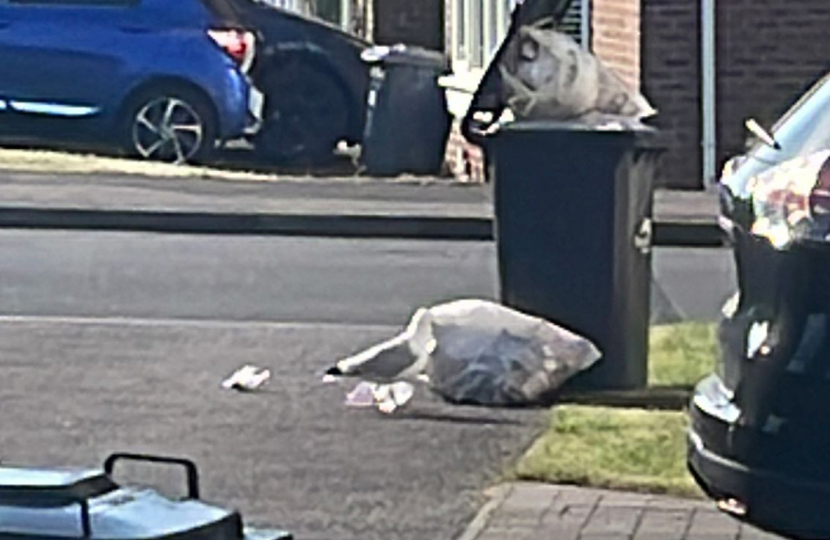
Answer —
(247, 378)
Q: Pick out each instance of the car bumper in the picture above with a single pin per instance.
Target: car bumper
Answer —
(783, 503)
(239, 104)
(256, 106)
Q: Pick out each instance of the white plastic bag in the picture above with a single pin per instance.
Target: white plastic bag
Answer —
(489, 354)
(473, 351)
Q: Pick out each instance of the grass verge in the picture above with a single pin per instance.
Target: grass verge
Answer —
(626, 448)
(681, 354)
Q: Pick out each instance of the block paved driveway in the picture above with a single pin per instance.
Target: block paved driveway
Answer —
(526, 511)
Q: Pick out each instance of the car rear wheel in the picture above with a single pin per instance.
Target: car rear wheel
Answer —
(306, 114)
(172, 127)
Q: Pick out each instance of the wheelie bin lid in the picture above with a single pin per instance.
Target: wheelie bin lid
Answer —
(408, 55)
(644, 136)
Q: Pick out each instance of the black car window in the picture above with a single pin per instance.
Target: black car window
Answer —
(222, 9)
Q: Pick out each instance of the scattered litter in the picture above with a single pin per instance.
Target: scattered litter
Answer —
(247, 379)
(363, 395)
(386, 397)
(468, 351)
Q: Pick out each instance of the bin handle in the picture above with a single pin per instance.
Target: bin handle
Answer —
(189, 466)
(643, 236)
(86, 522)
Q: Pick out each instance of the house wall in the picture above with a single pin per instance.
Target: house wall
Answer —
(654, 46)
(769, 52)
(615, 37)
(671, 79)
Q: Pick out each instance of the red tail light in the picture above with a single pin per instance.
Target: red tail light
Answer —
(238, 44)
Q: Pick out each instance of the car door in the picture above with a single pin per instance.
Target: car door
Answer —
(61, 57)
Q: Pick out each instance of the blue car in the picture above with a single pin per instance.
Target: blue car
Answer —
(163, 79)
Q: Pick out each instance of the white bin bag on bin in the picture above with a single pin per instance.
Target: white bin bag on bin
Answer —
(548, 76)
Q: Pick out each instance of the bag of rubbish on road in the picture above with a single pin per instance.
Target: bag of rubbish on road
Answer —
(547, 75)
(470, 352)
(489, 354)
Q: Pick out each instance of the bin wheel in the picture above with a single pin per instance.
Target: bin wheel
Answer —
(306, 114)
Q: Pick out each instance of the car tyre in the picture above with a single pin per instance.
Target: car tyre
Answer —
(170, 126)
(306, 114)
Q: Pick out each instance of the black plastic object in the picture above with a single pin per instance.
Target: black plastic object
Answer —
(407, 122)
(189, 467)
(87, 503)
(573, 229)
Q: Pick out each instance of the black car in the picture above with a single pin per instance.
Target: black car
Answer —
(759, 440)
(314, 81)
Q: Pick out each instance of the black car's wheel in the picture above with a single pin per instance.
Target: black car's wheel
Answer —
(306, 114)
(174, 127)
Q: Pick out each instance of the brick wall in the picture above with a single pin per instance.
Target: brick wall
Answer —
(464, 161)
(414, 22)
(615, 37)
(769, 51)
(671, 81)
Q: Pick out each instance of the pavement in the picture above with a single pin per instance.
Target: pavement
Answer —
(529, 511)
(344, 207)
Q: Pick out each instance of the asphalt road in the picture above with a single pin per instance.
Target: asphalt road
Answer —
(291, 455)
(82, 274)
(118, 341)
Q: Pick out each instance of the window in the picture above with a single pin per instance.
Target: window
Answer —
(479, 26)
(300, 6)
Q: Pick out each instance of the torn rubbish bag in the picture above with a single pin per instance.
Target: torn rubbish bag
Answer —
(479, 352)
(547, 75)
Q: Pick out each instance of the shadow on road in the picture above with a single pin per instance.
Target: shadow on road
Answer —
(465, 418)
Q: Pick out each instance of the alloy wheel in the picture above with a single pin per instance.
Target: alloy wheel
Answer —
(168, 129)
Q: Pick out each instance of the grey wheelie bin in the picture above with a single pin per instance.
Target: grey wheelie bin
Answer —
(573, 228)
(407, 121)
